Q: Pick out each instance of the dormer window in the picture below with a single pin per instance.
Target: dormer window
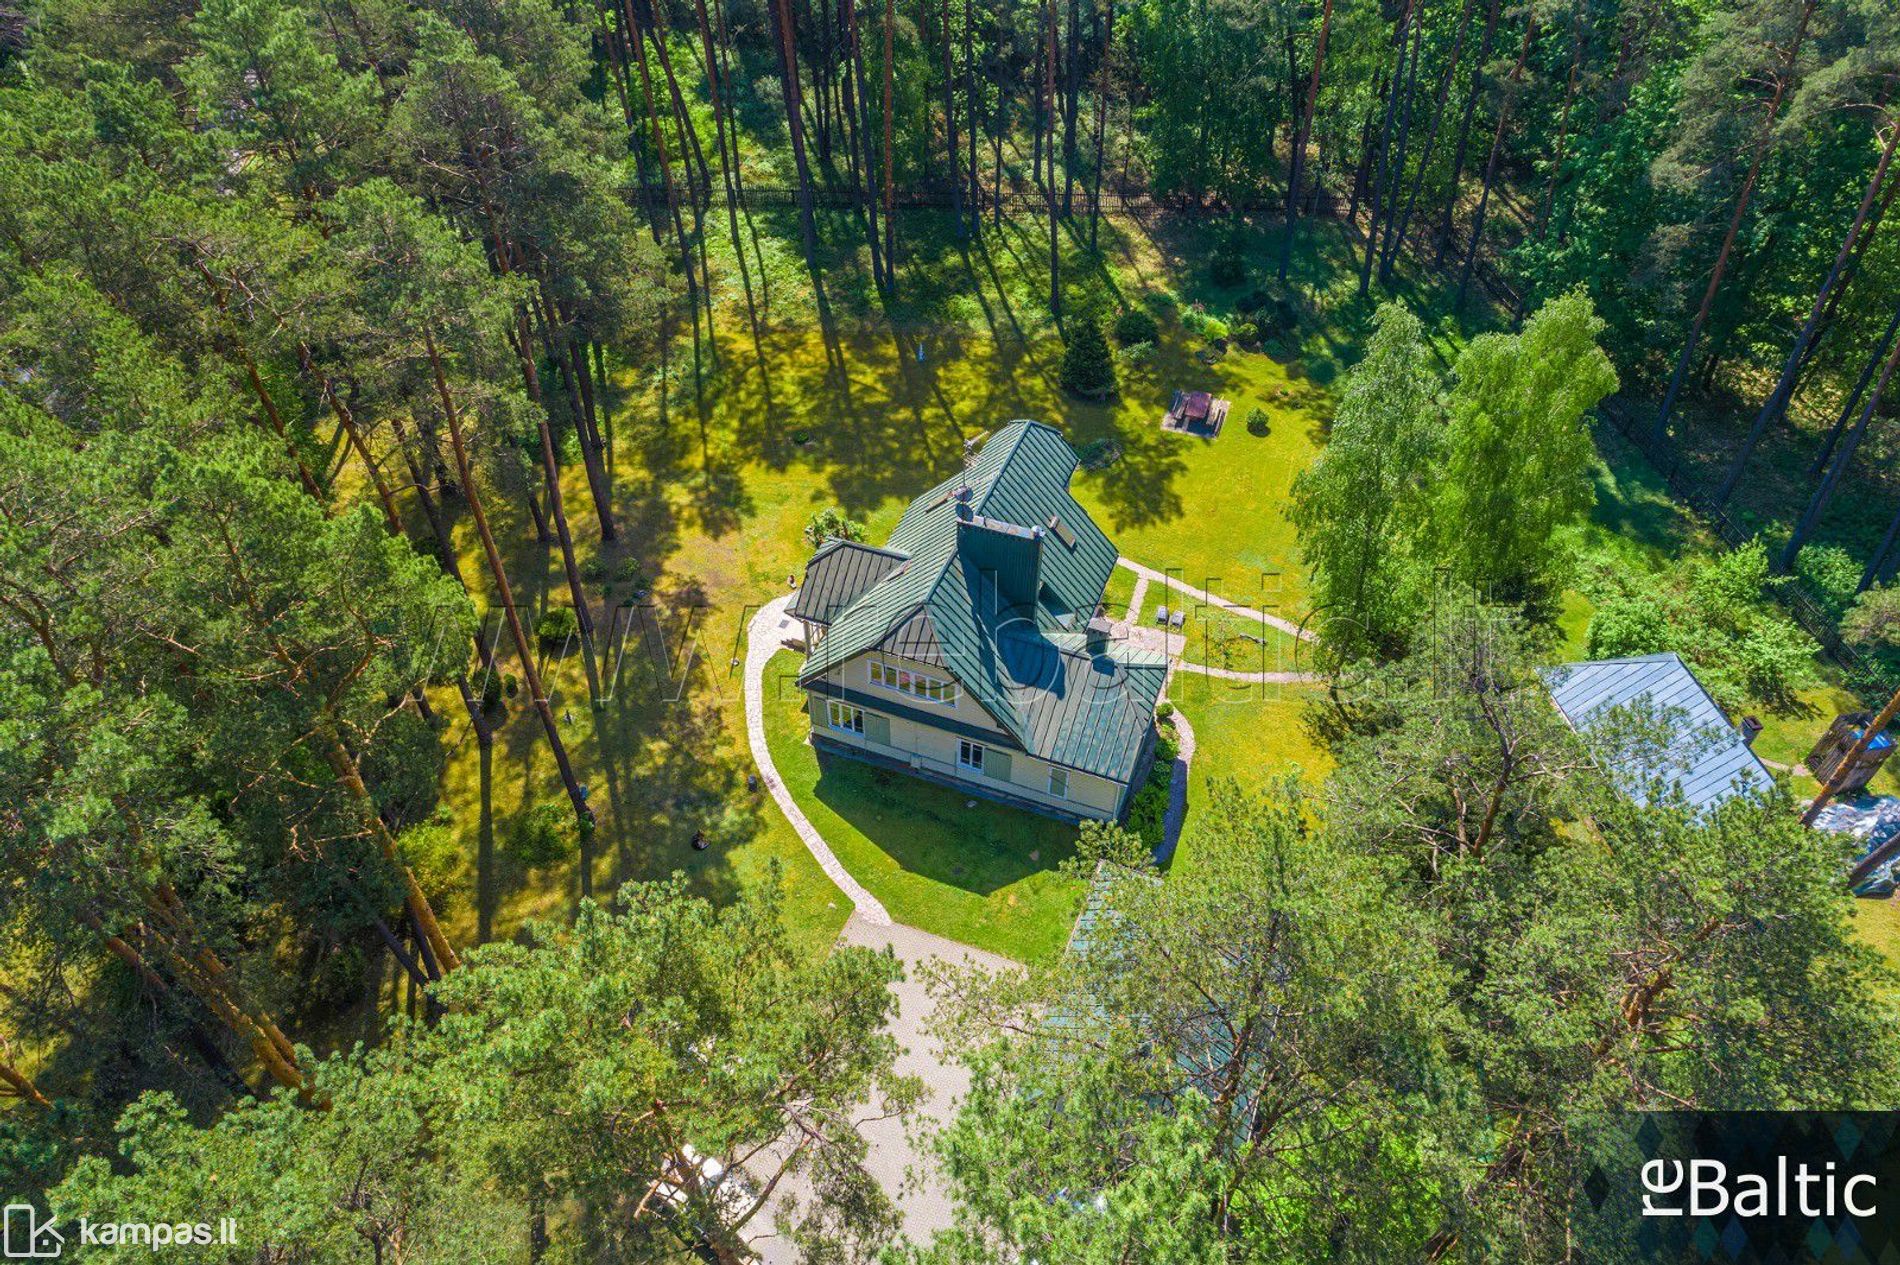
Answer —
(921, 685)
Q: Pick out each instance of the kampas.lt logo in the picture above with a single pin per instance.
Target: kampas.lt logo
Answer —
(27, 1237)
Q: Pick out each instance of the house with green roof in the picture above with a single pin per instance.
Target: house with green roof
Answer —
(970, 649)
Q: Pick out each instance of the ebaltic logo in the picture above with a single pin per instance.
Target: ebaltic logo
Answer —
(27, 1238)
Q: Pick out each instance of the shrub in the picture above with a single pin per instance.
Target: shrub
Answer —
(541, 836)
(1207, 326)
(830, 523)
(1164, 710)
(556, 626)
(1087, 368)
(1099, 454)
(491, 692)
(338, 979)
(1626, 626)
(1136, 326)
(1832, 577)
(1148, 811)
(1137, 354)
(1258, 421)
(1874, 621)
(1247, 334)
(1228, 270)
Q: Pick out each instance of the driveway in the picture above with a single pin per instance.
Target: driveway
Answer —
(908, 1175)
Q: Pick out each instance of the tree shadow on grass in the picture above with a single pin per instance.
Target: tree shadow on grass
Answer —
(930, 832)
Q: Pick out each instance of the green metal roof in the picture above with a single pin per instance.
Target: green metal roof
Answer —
(1003, 569)
(837, 575)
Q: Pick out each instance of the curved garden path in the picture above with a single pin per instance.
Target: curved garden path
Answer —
(768, 628)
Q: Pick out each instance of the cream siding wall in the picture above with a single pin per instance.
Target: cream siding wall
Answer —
(936, 750)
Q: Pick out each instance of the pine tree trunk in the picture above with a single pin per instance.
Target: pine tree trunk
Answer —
(970, 108)
(1296, 161)
(795, 126)
(18, 1084)
(1072, 76)
(1817, 504)
(890, 216)
(1395, 240)
(1389, 250)
(531, 675)
(1563, 124)
(1783, 82)
(1491, 165)
(392, 517)
(1867, 372)
(1777, 399)
(950, 125)
(1395, 89)
(1049, 186)
(1464, 133)
(863, 150)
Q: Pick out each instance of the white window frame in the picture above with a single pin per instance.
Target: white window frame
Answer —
(921, 686)
(969, 755)
(852, 717)
(1058, 774)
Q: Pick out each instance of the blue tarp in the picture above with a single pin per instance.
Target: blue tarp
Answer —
(1873, 820)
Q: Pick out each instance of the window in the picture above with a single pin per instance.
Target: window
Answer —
(970, 755)
(916, 684)
(845, 717)
(1058, 782)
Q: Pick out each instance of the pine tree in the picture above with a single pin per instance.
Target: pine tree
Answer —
(1088, 369)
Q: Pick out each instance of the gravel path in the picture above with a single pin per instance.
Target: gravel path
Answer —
(1135, 599)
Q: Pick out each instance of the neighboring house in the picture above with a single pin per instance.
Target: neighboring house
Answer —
(968, 650)
(1701, 751)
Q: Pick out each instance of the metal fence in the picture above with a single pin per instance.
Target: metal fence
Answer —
(1683, 481)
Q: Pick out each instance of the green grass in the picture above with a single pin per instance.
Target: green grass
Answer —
(1877, 923)
(1213, 511)
(1246, 732)
(1221, 638)
(1120, 591)
(984, 875)
(712, 490)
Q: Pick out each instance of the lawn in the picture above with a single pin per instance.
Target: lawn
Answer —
(1120, 591)
(975, 871)
(837, 405)
(1222, 638)
(1248, 732)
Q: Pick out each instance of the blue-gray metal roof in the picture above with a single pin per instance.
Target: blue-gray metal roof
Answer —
(1705, 757)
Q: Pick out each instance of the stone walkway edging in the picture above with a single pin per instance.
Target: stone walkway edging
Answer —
(763, 637)
(1245, 612)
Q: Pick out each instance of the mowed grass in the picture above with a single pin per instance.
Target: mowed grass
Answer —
(939, 859)
(712, 490)
(1248, 732)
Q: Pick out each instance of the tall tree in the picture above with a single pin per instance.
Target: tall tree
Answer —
(1762, 31)
(1360, 506)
